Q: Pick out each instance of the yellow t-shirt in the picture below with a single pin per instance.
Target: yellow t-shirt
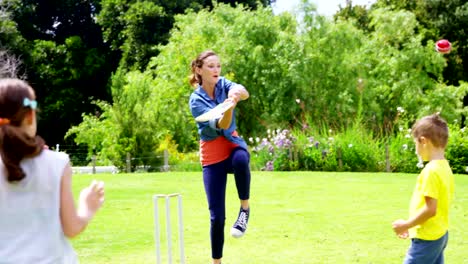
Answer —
(435, 181)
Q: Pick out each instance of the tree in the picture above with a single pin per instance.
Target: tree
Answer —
(11, 42)
(314, 74)
(135, 27)
(150, 106)
(56, 20)
(450, 18)
(9, 65)
(358, 13)
(64, 58)
(441, 19)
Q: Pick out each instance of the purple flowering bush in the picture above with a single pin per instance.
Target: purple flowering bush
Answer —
(353, 149)
(276, 151)
(283, 150)
(318, 154)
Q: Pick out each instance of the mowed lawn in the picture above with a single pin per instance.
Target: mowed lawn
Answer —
(296, 217)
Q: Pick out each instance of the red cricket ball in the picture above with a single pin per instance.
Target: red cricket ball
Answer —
(443, 46)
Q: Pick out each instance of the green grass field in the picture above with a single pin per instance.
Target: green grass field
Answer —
(296, 217)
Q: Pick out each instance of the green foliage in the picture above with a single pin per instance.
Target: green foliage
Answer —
(249, 51)
(329, 69)
(400, 149)
(144, 22)
(68, 75)
(300, 76)
(58, 20)
(402, 63)
(97, 133)
(402, 152)
(399, 68)
(448, 100)
(10, 37)
(319, 155)
(357, 150)
(136, 27)
(355, 13)
(179, 161)
(125, 127)
(284, 158)
(11, 42)
(351, 150)
(132, 113)
(62, 55)
(457, 149)
(441, 19)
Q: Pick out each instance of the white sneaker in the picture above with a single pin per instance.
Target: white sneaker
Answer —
(240, 226)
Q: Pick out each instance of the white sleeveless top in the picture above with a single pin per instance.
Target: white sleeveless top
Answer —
(30, 226)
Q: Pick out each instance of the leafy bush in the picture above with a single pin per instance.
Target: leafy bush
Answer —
(357, 150)
(400, 147)
(402, 152)
(319, 155)
(457, 149)
(314, 72)
(276, 151)
(186, 162)
(351, 150)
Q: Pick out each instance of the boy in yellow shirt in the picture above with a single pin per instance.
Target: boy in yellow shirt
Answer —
(428, 221)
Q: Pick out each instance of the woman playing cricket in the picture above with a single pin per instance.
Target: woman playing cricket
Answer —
(222, 151)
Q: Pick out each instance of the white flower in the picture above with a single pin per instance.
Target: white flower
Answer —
(350, 145)
(407, 136)
(405, 146)
(330, 131)
(466, 169)
(400, 128)
(268, 131)
(298, 101)
(409, 130)
(257, 139)
(400, 109)
(250, 140)
(330, 139)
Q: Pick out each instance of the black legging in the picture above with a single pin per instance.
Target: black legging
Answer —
(215, 179)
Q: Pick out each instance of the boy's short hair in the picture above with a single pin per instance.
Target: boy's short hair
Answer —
(432, 127)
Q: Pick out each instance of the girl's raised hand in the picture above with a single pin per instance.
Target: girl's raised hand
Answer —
(91, 199)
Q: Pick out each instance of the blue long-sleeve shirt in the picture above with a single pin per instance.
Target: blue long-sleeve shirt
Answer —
(200, 102)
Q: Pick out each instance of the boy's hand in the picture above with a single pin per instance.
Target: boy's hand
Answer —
(400, 227)
(404, 235)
